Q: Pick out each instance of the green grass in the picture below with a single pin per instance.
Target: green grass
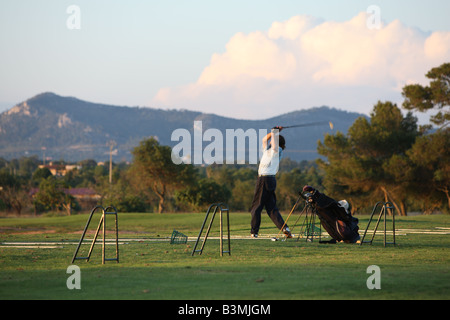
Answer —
(417, 268)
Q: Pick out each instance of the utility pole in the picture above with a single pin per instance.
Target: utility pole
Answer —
(43, 157)
(112, 144)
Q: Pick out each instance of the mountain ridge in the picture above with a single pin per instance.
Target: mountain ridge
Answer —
(72, 129)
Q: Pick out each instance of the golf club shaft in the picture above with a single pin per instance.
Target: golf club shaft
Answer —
(311, 124)
(293, 208)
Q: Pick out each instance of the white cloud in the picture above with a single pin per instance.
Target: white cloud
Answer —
(254, 56)
(305, 62)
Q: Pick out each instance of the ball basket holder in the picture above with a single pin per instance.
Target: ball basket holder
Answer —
(105, 211)
(222, 208)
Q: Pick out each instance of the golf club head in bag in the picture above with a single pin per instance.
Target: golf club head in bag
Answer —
(307, 193)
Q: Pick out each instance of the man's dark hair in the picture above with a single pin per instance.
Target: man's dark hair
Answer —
(281, 142)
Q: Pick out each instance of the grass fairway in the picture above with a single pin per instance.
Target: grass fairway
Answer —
(152, 268)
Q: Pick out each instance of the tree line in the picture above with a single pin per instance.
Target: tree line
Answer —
(388, 157)
(150, 183)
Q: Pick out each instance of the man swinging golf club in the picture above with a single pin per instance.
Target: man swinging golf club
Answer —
(264, 196)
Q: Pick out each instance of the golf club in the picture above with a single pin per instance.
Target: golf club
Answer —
(311, 124)
(293, 208)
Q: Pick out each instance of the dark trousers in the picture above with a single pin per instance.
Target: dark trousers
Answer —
(265, 198)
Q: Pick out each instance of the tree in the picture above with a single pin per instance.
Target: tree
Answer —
(121, 194)
(242, 195)
(39, 175)
(153, 169)
(13, 192)
(430, 156)
(358, 163)
(202, 194)
(289, 185)
(52, 196)
(434, 96)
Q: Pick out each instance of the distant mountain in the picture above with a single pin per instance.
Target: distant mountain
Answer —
(72, 129)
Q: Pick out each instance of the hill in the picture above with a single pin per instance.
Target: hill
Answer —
(72, 129)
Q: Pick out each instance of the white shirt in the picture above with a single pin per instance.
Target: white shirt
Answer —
(270, 161)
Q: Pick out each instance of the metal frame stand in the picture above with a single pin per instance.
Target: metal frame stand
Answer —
(222, 208)
(309, 223)
(384, 208)
(105, 211)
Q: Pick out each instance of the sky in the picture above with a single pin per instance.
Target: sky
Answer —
(251, 59)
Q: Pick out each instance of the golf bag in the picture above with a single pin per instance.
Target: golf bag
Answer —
(335, 218)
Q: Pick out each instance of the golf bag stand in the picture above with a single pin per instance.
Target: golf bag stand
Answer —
(385, 207)
(308, 228)
(105, 211)
(221, 207)
(310, 231)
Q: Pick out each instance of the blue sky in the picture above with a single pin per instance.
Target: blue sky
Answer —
(127, 51)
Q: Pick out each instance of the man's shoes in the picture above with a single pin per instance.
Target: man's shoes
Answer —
(254, 235)
(287, 233)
